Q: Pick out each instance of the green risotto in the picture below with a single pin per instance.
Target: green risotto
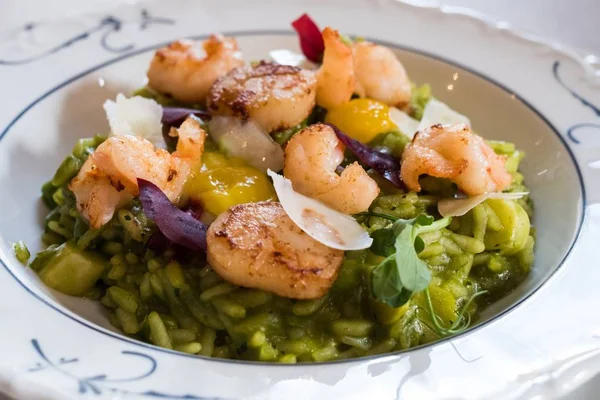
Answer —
(180, 303)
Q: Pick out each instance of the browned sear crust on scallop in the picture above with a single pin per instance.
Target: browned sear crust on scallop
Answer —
(257, 245)
(275, 96)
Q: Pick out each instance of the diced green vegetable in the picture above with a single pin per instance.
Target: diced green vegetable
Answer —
(71, 270)
(21, 252)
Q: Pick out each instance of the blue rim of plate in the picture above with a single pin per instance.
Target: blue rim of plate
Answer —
(123, 338)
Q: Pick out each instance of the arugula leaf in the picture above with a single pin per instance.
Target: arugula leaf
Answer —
(386, 284)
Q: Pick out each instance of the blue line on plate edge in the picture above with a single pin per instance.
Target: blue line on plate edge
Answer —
(290, 33)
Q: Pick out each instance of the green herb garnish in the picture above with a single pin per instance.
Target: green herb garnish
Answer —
(402, 272)
(461, 322)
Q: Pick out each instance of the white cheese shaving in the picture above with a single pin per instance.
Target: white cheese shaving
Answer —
(437, 112)
(288, 57)
(458, 207)
(136, 116)
(405, 123)
(326, 225)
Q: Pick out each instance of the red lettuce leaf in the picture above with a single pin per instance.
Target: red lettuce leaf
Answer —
(311, 40)
(174, 116)
(176, 225)
(384, 164)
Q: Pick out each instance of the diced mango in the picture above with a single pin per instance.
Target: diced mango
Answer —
(362, 119)
(223, 182)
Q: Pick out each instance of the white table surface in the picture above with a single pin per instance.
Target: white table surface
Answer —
(572, 23)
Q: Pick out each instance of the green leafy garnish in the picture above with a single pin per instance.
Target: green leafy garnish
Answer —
(387, 287)
(402, 272)
(383, 242)
(384, 239)
(413, 272)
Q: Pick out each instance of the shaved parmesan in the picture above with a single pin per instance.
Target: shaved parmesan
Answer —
(288, 57)
(437, 112)
(330, 227)
(136, 116)
(245, 139)
(458, 207)
(405, 123)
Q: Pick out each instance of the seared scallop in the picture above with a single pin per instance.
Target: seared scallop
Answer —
(275, 96)
(257, 245)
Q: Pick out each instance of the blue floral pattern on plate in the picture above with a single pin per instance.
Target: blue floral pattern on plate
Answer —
(107, 26)
(571, 131)
(101, 383)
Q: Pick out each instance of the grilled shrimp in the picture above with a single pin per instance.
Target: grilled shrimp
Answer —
(97, 197)
(274, 96)
(257, 245)
(379, 74)
(311, 159)
(455, 153)
(365, 68)
(181, 71)
(335, 79)
(108, 179)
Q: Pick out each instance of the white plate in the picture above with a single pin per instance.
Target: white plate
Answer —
(55, 78)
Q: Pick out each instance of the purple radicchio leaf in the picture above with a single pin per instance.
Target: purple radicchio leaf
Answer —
(384, 164)
(311, 39)
(176, 225)
(159, 242)
(174, 116)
